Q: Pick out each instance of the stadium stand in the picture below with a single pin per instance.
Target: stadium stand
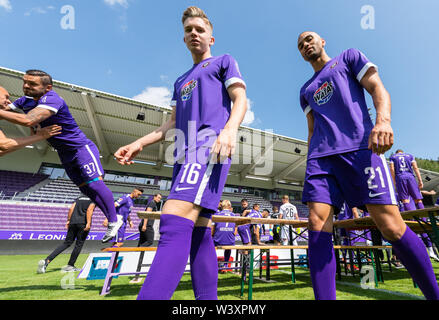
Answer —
(12, 182)
(27, 216)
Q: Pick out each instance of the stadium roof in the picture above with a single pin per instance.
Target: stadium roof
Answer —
(111, 122)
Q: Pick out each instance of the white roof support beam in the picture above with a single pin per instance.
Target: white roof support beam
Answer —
(296, 164)
(96, 126)
(161, 153)
(261, 155)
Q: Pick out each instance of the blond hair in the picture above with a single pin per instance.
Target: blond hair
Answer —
(195, 12)
(227, 204)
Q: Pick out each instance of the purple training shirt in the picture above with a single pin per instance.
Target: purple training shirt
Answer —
(71, 137)
(336, 98)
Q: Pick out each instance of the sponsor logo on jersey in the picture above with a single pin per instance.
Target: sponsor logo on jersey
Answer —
(324, 93)
(334, 65)
(186, 91)
(206, 64)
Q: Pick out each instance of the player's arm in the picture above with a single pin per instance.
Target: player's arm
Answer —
(381, 137)
(392, 171)
(126, 154)
(69, 214)
(310, 121)
(145, 221)
(224, 146)
(34, 117)
(89, 214)
(129, 221)
(418, 174)
(8, 145)
(355, 214)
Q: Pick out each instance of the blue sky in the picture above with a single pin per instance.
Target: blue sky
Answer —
(134, 48)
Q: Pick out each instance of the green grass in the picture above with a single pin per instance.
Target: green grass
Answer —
(19, 281)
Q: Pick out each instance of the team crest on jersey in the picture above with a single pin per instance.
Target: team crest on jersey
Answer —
(206, 64)
(186, 91)
(324, 93)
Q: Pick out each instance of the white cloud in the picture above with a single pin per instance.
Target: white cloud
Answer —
(249, 117)
(111, 3)
(6, 5)
(38, 10)
(158, 96)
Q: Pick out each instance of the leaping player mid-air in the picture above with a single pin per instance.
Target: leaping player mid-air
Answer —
(43, 107)
(346, 162)
(202, 112)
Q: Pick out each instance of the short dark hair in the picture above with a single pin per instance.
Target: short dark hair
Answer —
(46, 78)
(399, 150)
(158, 194)
(140, 189)
(244, 200)
(266, 210)
(255, 205)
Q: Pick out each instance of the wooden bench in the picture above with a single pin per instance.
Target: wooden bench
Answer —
(249, 251)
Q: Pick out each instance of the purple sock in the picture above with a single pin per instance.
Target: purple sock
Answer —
(170, 259)
(100, 194)
(322, 265)
(204, 265)
(411, 251)
(409, 206)
(419, 205)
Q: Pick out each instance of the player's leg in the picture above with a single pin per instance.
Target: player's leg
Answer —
(321, 251)
(176, 225)
(70, 237)
(203, 260)
(408, 247)
(321, 192)
(87, 172)
(376, 191)
(81, 236)
(402, 185)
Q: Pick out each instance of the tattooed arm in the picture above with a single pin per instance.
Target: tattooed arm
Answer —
(34, 117)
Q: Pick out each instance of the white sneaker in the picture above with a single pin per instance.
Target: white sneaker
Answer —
(42, 266)
(136, 280)
(112, 229)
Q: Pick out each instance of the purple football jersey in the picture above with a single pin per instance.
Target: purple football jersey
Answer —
(345, 213)
(224, 231)
(402, 163)
(336, 98)
(124, 206)
(71, 137)
(203, 105)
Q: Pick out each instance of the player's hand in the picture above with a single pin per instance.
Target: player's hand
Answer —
(224, 146)
(126, 154)
(105, 223)
(131, 224)
(48, 132)
(67, 224)
(144, 229)
(381, 138)
(87, 227)
(421, 185)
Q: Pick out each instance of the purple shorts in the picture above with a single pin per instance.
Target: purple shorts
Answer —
(245, 233)
(83, 164)
(359, 178)
(407, 187)
(200, 184)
